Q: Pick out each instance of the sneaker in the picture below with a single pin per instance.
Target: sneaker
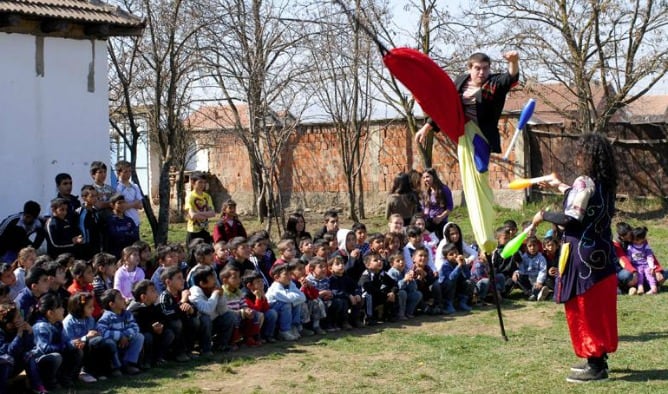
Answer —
(319, 331)
(402, 318)
(270, 339)
(533, 297)
(543, 294)
(116, 373)
(305, 332)
(653, 290)
(295, 332)
(287, 336)
(160, 362)
(589, 374)
(641, 290)
(131, 370)
(182, 358)
(101, 378)
(346, 326)
(449, 309)
(464, 307)
(86, 377)
(584, 365)
(633, 291)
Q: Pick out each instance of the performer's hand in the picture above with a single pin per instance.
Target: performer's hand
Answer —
(421, 135)
(511, 56)
(538, 218)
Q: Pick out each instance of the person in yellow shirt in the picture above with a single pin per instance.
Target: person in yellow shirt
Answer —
(200, 209)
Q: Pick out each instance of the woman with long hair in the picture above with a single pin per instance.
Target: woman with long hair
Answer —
(436, 201)
(587, 283)
(402, 199)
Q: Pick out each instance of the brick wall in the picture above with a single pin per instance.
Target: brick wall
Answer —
(311, 175)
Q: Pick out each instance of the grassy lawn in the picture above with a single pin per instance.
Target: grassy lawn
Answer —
(457, 354)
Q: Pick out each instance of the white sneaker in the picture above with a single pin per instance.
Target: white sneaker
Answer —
(86, 377)
(295, 332)
(287, 336)
(544, 293)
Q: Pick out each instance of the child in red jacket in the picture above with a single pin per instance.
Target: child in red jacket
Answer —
(255, 299)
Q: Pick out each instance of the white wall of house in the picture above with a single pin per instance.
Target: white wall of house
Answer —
(52, 123)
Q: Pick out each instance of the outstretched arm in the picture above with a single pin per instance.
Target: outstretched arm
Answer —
(513, 59)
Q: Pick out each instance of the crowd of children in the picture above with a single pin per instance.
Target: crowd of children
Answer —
(77, 315)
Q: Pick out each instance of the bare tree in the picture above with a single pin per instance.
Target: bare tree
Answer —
(436, 32)
(605, 53)
(342, 57)
(253, 57)
(152, 79)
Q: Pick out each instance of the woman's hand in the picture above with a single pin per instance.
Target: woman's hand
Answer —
(421, 135)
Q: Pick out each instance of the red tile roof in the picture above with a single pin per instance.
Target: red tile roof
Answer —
(84, 11)
(554, 101)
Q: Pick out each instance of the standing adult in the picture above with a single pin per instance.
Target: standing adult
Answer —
(22, 229)
(435, 201)
(402, 199)
(587, 283)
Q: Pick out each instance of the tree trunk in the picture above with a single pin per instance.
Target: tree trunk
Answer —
(161, 235)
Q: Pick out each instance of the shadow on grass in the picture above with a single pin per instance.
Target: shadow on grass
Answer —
(633, 375)
(643, 337)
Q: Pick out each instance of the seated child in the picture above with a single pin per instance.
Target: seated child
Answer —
(258, 248)
(307, 249)
(480, 278)
(220, 255)
(321, 248)
(177, 313)
(146, 262)
(104, 265)
(427, 283)
(320, 304)
(351, 255)
(120, 326)
(532, 272)
(37, 284)
(453, 233)
(204, 258)
(345, 289)
(8, 278)
(247, 322)
(79, 329)
(429, 239)
(82, 275)
(240, 254)
(360, 238)
(286, 251)
(255, 298)
(157, 338)
(643, 260)
(58, 361)
(505, 268)
(166, 256)
(379, 290)
(408, 296)
(23, 263)
(454, 280)
(285, 298)
(216, 320)
(414, 236)
(128, 273)
(16, 344)
(57, 275)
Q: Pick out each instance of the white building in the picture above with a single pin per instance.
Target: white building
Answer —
(54, 111)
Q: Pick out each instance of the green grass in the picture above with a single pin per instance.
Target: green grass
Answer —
(460, 354)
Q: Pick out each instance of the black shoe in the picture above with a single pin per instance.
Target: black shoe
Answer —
(589, 374)
(585, 364)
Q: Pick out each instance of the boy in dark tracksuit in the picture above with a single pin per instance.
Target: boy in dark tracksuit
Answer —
(504, 268)
(157, 337)
(379, 290)
(62, 236)
(121, 230)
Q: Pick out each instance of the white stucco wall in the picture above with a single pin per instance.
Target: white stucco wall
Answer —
(52, 123)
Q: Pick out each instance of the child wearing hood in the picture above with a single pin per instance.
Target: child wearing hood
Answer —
(452, 233)
(351, 255)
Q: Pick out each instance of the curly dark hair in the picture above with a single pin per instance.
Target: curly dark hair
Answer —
(598, 160)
